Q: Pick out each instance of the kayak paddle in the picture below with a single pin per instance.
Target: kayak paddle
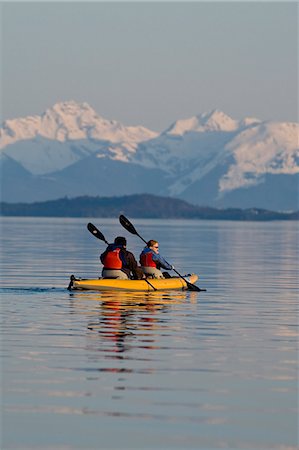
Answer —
(94, 230)
(130, 227)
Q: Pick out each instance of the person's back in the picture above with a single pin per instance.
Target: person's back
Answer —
(118, 262)
(151, 262)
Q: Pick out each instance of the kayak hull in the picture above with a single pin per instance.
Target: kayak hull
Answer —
(105, 284)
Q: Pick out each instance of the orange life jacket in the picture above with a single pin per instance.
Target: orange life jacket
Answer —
(112, 260)
(146, 260)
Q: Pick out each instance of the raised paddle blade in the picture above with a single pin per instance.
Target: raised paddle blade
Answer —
(127, 225)
(93, 229)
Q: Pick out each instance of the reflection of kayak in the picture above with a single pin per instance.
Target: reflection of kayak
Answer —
(105, 284)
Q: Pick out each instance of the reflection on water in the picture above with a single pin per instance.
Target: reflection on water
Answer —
(158, 370)
(123, 315)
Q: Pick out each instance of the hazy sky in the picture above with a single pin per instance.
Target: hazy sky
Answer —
(151, 63)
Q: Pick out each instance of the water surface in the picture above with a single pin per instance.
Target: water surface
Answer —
(185, 370)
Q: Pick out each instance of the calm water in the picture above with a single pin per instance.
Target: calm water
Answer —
(182, 370)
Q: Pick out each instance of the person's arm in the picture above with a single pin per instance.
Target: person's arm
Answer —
(133, 266)
(131, 261)
(161, 261)
(142, 253)
(102, 256)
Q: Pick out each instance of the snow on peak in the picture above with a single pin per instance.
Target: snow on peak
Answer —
(70, 120)
(67, 121)
(249, 121)
(19, 129)
(215, 120)
(71, 107)
(268, 147)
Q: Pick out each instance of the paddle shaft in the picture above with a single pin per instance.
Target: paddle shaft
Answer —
(130, 227)
(95, 232)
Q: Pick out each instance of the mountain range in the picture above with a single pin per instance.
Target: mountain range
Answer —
(209, 159)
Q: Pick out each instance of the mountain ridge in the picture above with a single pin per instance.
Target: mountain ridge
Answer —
(138, 206)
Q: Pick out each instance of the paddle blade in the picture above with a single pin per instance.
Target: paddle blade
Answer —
(192, 287)
(127, 225)
(93, 230)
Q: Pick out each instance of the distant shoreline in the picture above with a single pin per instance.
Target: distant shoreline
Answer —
(143, 206)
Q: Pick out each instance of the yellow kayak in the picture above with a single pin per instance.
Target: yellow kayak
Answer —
(106, 284)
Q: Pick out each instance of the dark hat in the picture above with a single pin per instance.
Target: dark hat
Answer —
(119, 240)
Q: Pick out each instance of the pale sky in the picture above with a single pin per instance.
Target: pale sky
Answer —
(151, 63)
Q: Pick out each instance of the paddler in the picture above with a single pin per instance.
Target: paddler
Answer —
(118, 262)
(151, 261)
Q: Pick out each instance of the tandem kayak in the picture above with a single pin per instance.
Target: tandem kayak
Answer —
(106, 284)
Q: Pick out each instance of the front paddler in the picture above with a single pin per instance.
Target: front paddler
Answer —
(151, 261)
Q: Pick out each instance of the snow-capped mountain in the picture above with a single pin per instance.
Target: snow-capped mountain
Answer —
(64, 134)
(213, 121)
(208, 159)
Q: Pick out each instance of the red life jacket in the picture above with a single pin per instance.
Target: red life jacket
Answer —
(112, 260)
(146, 260)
